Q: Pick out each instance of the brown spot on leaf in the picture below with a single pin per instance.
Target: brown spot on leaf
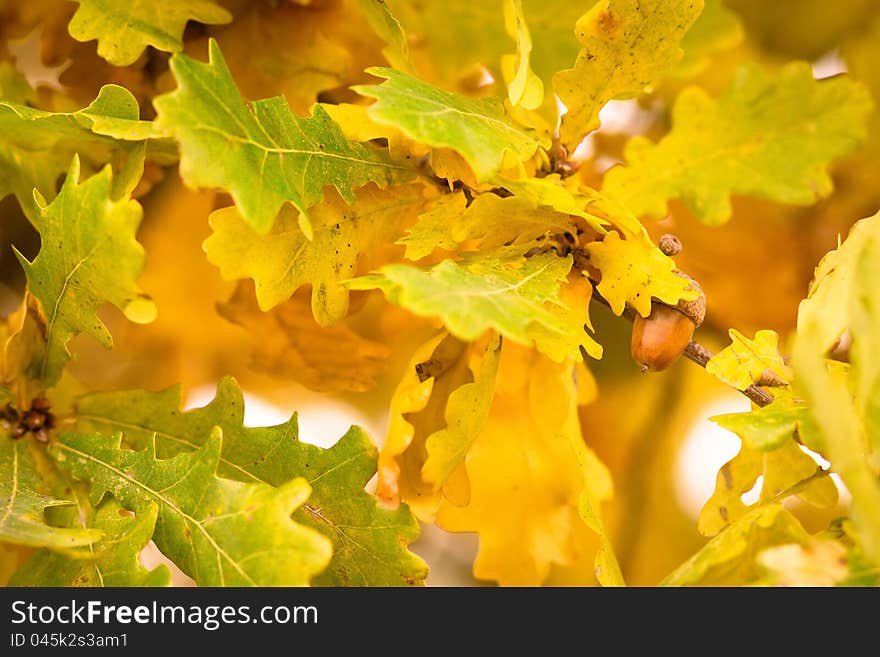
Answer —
(725, 474)
(608, 23)
(430, 368)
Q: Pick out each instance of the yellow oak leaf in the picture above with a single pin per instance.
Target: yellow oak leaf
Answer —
(284, 50)
(785, 471)
(289, 344)
(524, 87)
(634, 271)
(827, 310)
(535, 487)
(627, 45)
(465, 415)
(437, 368)
(744, 361)
(285, 259)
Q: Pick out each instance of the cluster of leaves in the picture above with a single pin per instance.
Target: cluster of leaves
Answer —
(388, 177)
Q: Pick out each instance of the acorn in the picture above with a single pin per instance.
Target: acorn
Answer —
(659, 339)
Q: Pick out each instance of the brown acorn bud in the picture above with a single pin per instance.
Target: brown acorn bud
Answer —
(18, 430)
(669, 244)
(660, 338)
(34, 420)
(41, 435)
(41, 404)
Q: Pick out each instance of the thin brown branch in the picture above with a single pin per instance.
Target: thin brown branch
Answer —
(698, 354)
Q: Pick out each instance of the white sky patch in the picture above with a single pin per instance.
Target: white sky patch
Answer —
(705, 449)
(27, 60)
(322, 421)
(828, 65)
(625, 117)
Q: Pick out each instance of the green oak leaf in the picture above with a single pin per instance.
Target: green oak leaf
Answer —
(88, 256)
(22, 506)
(770, 135)
(627, 45)
(112, 561)
(369, 541)
(124, 28)
(730, 558)
(269, 155)
(518, 297)
(218, 531)
(477, 128)
(36, 146)
(744, 362)
(284, 259)
(770, 427)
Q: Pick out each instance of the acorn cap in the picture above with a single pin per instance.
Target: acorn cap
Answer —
(695, 309)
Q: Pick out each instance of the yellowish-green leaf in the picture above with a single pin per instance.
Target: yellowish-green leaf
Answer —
(36, 146)
(865, 332)
(124, 28)
(634, 271)
(219, 532)
(516, 296)
(14, 87)
(626, 47)
(524, 87)
(729, 559)
(847, 426)
(476, 128)
(369, 541)
(717, 29)
(89, 256)
(438, 227)
(490, 219)
(827, 310)
(284, 259)
(770, 427)
(770, 135)
(23, 502)
(745, 360)
(112, 561)
(552, 192)
(388, 28)
(466, 411)
(271, 156)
